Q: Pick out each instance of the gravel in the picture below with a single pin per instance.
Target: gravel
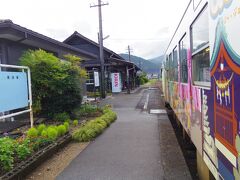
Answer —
(57, 163)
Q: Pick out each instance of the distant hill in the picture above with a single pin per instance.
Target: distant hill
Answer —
(148, 66)
(157, 60)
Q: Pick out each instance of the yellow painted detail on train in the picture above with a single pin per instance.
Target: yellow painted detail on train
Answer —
(223, 85)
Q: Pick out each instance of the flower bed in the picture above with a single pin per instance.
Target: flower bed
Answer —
(20, 156)
(23, 168)
(17, 154)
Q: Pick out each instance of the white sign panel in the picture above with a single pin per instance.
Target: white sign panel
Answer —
(116, 83)
(96, 79)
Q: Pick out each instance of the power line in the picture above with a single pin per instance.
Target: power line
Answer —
(125, 39)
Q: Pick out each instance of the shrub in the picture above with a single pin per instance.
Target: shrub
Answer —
(43, 140)
(92, 128)
(107, 119)
(32, 132)
(23, 149)
(52, 133)
(143, 78)
(86, 110)
(62, 117)
(68, 121)
(98, 128)
(61, 129)
(109, 116)
(66, 124)
(80, 135)
(40, 128)
(101, 122)
(44, 133)
(56, 85)
(6, 153)
(75, 123)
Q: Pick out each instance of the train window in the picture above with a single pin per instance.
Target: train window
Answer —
(170, 67)
(200, 50)
(201, 69)
(200, 30)
(183, 45)
(175, 65)
(167, 67)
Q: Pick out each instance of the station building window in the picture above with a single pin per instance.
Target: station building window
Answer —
(200, 50)
(90, 79)
(175, 65)
(183, 45)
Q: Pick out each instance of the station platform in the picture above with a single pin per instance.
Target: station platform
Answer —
(140, 145)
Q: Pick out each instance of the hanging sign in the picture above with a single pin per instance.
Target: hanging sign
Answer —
(116, 83)
(96, 79)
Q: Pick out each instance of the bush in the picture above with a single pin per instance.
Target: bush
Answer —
(75, 123)
(85, 110)
(23, 149)
(109, 116)
(61, 129)
(143, 79)
(94, 127)
(62, 117)
(44, 133)
(32, 132)
(101, 122)
(66, 124)
(6, 153)
(107, 119)
(52, 133)
(56, 85)
(43, 140)
(80, 135)
(40, 128)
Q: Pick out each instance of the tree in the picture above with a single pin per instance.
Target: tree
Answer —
(56, 84)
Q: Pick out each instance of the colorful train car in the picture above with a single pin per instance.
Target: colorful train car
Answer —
(201, 82)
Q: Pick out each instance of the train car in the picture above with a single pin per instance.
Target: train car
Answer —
(201, 82)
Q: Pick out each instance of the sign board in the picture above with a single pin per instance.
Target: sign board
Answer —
(116, 82)
(96, 79)
(13, 91)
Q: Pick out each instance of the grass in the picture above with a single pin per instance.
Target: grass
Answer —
(151, 82)
(93, 128)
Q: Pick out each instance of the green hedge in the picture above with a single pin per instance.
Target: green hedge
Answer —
(93, 128)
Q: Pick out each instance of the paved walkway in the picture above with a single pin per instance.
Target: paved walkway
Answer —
(138, 146)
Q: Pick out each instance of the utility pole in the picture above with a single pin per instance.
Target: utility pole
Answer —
(100, 39)
(129, 53)
(128, 78)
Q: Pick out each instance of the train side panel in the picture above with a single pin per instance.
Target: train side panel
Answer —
(210, 114)
(221, 103)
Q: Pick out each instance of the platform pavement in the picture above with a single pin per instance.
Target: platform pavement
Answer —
(138, 146)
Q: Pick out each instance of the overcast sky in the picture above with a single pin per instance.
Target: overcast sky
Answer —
(145, 25)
